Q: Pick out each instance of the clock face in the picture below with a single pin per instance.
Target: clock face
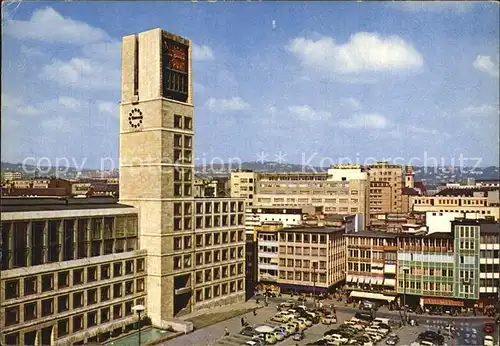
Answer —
(135, 118)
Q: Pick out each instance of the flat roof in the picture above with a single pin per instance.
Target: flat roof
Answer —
(372, 234)
(313, 229)
(16, 204)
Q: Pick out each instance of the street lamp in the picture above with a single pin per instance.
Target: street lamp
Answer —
(315, 264)
(139, 309)
(405, 269)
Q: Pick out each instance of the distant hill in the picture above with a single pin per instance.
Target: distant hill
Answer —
(429, 175)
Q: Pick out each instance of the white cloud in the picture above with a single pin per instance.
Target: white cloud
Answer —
(417, 130)
(352, 103)
(48, 26)
(110, 108)
(483, 110)
(364, 52)
(31, 51)
(202, 53)
(17, 106)
(226, 105)
(485, 63)
(365, 120)
(307, 113)
(82, 73)
(432, 6)
(56, 124)
(69, 102)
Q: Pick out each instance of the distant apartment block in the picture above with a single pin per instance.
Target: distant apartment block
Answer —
(392, 174)
(10, 176)
(243, 185)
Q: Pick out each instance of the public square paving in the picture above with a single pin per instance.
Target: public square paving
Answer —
(470, 330)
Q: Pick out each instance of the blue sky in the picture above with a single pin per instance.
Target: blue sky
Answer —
(297, 81)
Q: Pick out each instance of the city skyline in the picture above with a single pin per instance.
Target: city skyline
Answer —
(382, 80)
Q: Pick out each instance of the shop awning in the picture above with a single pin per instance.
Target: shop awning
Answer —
(443, 301)
(370, 295)
(378, 281)
(349, 278)
(389, 282)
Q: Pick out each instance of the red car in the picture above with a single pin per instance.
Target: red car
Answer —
(489, 328)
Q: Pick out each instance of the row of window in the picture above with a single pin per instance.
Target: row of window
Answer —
(302, 264)
(209, 239)
(426, 286)
(185, 224)
(209, 257)
(75, 300)
(217, 273)
(306, 251)
(44, 283)
(221, 290)
(302, 276)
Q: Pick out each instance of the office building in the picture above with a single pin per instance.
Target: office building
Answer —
(392, 174)
(371, 265)
(71, 270)
(243, 184)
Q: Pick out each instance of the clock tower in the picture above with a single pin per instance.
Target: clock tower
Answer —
(156, 162)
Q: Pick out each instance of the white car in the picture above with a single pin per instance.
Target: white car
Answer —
(426, 343)
(373, 335)
(488, 341)
(329, 319)
(300, 324)
(307, 322)
(337, 338)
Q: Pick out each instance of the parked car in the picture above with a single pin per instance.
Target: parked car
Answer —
(256, 342)
(393, 339)
(329, 319)
(268, 338)
(301, 324)
(488, 341)
(298, 336)
(427, 343)
(291, 328)
(373, 335)
(286, 306)
(283, 331)
(489, 328)
(278, 336)
(364, 316)
(282, 317)
(363, 340)
(248, 331)
(337, 338)
(307, 322)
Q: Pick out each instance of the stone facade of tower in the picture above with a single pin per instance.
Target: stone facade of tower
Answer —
(156, 176)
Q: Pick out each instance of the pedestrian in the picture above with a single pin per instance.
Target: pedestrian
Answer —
(242, 322)
(227, 331)
(255, 312)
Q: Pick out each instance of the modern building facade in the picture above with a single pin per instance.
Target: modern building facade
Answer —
(371, 265)
(480, 201)
(346, 196)
(303, 259)
(243, 184)
(392, 174)
(196, 249)
(71, 270)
